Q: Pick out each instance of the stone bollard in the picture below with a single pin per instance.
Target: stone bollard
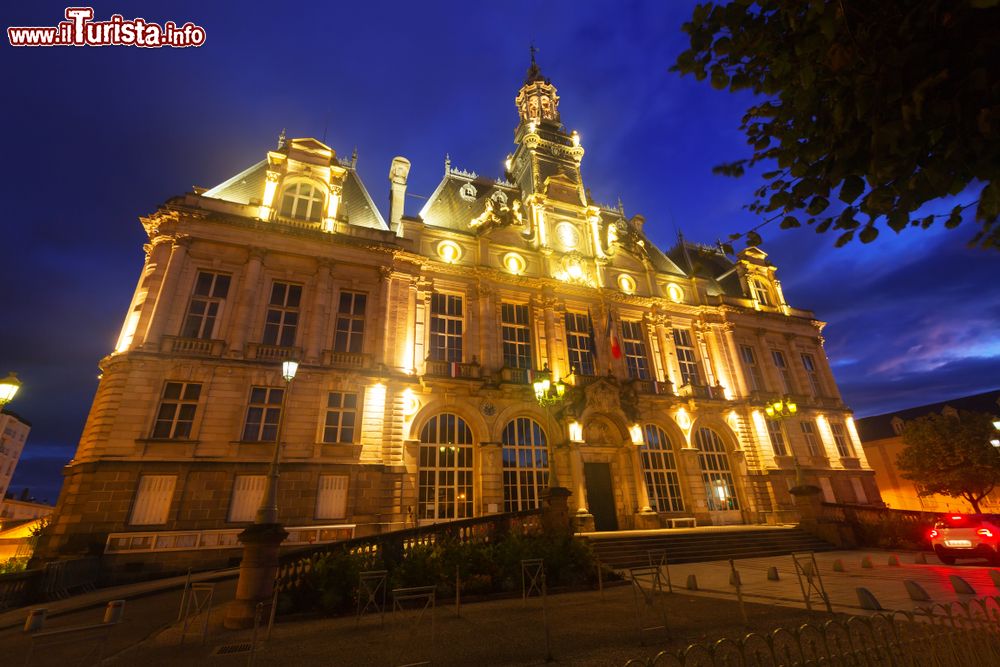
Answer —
(961, 586)
(916, 591)
(866, 563)
(35, 620)
(894, 561)
(921, 559)
(772, 573)
(692, 583)
(867, 599)
(838, 566)
(114, 611)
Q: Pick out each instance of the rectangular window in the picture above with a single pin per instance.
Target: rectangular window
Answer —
(331, 498)
(152, 500)
(753, 374)
(248, 492)
(580, 343)
(210, 291)
(814, 383)
(175, 416)
(634, 347)
(446, 327)
(341, 416)
(350, 333)
(516, 335)
(282, 314)
(840, 439)
(783, 371)
(263, 413)
(777, 437)
(686, 357)
(809, 434)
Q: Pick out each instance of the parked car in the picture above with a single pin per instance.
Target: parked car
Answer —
(966, 536)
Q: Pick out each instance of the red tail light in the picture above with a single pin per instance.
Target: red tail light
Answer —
(985, 532)
(957, 517)
(933, 533)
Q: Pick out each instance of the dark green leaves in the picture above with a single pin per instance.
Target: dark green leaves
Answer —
(861, 105)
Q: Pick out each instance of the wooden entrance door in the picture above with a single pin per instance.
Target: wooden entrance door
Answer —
(600, 496)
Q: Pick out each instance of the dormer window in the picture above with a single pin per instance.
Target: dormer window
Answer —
(760, 291)
(302, 201)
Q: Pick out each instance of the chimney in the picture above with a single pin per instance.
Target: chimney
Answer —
(397, 189)
(637, 222)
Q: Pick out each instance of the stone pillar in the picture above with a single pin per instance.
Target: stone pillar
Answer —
(257, 572)
(555, 511)
(690, 473)
(583, 519)
(247, 302)
(550, 333)
(646, 517)
(320, 316)
(166, 294)
(739, 379)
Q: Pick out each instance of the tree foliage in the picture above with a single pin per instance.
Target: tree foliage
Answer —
(951, 455)
(882, 106)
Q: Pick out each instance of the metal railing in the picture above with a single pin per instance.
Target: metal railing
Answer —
(294, 566)
(959, 634)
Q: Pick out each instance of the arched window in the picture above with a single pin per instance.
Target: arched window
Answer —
(660, 471)
(525, 464)
(445, 475)
(761, 292)
(715, 471)
(302, 201)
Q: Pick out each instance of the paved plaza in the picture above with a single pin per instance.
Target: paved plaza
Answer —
(584, 628)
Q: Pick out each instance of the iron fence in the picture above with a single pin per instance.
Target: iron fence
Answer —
(959, 634)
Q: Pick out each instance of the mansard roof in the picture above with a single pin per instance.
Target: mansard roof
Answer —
(449, 208)
(878, 427)
(707, 262)
(247, 187)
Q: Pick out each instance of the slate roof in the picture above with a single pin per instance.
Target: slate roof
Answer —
(248, 185)
(878, 427)
(706, 262)
(447, 208)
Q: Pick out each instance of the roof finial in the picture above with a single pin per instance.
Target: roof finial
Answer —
(354, 158)
(621, 206)
(534, 73)
(281, 139)
(447, 164)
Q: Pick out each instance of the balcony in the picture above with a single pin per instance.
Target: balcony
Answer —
(653, 387)
(355, 360)
(702, 391)
(196, 347)
(454, 369)
(514, 375)
(263, 352)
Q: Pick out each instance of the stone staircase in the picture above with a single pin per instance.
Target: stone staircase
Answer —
(624, 550)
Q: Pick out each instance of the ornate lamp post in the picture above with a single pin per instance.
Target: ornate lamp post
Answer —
(8, 388)
(781, 408)
(262, 540)
(556, 515)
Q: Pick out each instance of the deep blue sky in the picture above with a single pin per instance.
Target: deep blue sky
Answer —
(95, 138)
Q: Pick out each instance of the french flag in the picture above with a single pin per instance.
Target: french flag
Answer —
(616, 348)
(454, 369)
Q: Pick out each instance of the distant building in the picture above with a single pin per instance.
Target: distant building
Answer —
(881, 436)
(12, 509)
(419, 338)
(13, 434)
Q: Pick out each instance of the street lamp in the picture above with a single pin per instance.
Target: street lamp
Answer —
(781, 408)
(268, 511)
(8, 388)
(549, 394)
(262, 540)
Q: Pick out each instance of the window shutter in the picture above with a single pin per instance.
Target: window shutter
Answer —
(152, 500)
(248, 491)
(331, 499)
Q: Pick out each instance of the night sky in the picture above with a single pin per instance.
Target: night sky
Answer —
(95, 137)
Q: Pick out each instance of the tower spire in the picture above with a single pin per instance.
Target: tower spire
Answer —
(534, 72)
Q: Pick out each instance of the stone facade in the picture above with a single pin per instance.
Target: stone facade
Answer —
(13, 434)
(419, 340)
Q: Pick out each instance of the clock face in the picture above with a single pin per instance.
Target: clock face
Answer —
(567, 235)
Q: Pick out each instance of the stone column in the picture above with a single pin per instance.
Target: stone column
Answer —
(247, 302)
(690, 473)
(320, 316)
(729, 340)
(166, 294)
(157, 255)
(583, 519)
(257, 572)
(646, 518)
(550, 333)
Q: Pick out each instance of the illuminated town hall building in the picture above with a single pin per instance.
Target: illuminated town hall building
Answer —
(420, 340)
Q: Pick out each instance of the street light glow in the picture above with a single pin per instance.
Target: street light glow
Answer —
(289, 369)
(8, 388)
